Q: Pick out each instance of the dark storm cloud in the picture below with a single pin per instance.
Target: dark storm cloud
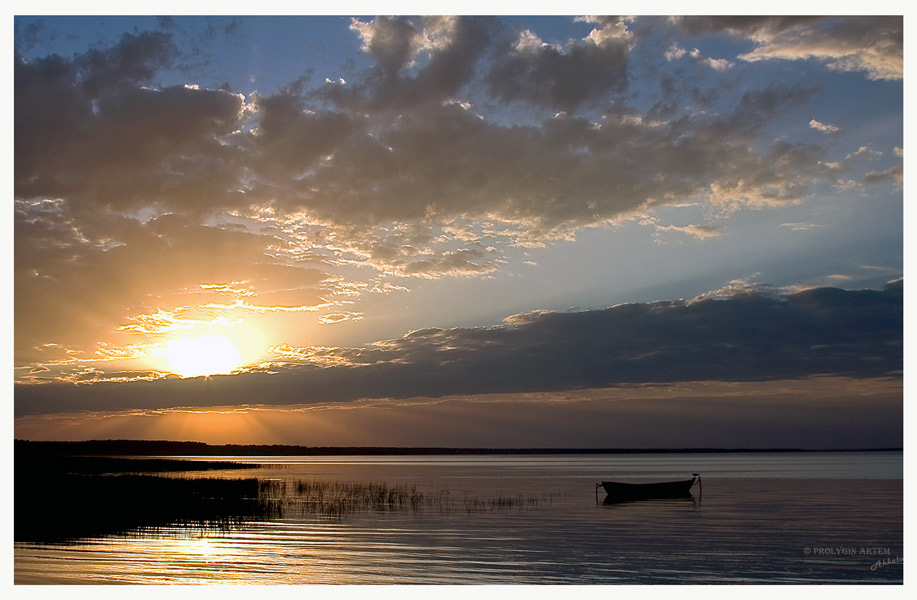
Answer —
(747, 336)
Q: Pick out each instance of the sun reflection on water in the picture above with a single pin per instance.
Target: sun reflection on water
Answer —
(749, 529)
(202, 547)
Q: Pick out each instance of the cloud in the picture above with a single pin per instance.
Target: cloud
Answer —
(854, 161)
(871, 45)
(823, 127)
(874, 45)
(562, 77)
(746, 25)
(699, 231)
(676, 52)
(739, 334)
(863, 413)
(332, 318)
(865, 153)
(462, 138)
(398, 144)
(119, 274)
(894, 174)
(290, 139)
(443, 162)
(90, 131)
(416, 62)
(801, 226)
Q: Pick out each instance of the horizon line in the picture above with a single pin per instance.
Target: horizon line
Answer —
(127, 444)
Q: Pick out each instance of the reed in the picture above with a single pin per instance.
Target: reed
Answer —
(67, 507)
(338, 498)
(60, 507)
(475, 504)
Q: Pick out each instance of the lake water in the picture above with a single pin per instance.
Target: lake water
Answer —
(765, 518)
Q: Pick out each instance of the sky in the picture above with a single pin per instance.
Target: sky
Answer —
(472, 231)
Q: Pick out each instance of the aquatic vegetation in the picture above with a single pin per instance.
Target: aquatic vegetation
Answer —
(477, 504)
(335, 499)
(76, 506)
(60, 498)
(338, 498)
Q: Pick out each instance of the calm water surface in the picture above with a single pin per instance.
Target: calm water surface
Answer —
(760, 518)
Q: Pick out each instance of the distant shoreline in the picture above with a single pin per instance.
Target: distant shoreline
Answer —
(177, 448)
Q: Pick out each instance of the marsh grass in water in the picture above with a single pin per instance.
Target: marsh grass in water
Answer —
(71, 507)
(518, 520)
(475, 504)
(335, 499)
(66, 507)
(60, 498)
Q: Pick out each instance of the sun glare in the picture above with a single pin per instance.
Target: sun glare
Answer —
(205, 355)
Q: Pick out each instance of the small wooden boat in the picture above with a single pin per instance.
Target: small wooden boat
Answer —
(646, 491)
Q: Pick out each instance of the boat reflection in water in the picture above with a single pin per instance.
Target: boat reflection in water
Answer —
(626, 492)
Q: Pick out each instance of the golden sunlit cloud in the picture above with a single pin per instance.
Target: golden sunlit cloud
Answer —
(205, 355)
(163, 321)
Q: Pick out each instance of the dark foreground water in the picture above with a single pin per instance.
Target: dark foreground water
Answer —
(786, 518)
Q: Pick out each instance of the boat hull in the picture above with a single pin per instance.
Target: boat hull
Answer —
(646, 491)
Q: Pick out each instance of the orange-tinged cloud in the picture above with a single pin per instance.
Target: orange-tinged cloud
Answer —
(822, 412)
(144, 210)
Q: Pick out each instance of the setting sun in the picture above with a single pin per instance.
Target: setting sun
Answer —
(362, 291)
(205, 355)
